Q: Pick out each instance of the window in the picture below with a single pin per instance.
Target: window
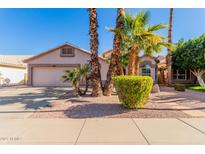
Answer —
(181, 75)
(146, 71)
(67, 52)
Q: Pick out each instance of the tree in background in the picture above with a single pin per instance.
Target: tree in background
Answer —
(95, 65)
(190, 55)
(114, 60)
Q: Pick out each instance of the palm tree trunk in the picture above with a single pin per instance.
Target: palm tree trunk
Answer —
(119, 70)
(86, 85)
(132, 61)
(169, 56)
(137, 64)
(77, 89)
(95, 65)
(114, 62)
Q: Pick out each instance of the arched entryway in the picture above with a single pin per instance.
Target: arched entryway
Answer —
(146, 70)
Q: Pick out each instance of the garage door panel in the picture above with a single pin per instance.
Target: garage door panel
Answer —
(49, 76)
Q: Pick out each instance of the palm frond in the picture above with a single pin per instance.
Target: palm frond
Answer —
(136, 32)
(153, 28)
(76, 75)
(120, 33)
(143, 17)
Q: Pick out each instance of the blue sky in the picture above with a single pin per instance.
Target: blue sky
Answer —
(31, 31)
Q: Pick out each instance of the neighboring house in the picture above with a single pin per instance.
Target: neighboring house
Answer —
(12, 69)
(147, 65)
(178, 76)
(47, 68)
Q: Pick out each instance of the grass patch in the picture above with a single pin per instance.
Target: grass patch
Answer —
(191, 85)
(197, 88)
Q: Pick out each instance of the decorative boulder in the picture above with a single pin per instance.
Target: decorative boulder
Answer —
(155, 88)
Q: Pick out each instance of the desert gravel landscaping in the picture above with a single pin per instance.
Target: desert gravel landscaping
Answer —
(42, 102)
(166, 104)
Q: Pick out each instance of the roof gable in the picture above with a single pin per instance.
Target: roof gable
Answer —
(56, 48)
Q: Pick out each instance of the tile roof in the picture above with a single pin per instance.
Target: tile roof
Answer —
(13, 60)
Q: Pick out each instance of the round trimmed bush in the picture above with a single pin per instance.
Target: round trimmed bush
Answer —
(133, 91)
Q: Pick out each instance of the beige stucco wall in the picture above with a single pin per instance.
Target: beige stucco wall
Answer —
(55, 58)
(80, 58)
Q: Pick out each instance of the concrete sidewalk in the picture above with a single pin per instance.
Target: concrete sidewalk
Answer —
(102, 131)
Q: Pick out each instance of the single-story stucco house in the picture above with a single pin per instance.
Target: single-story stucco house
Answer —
(12, 69)
(47, 68)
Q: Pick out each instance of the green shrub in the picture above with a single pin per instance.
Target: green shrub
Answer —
(133, 91)
(179, 87)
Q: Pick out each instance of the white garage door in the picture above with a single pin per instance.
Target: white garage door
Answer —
(49, 76)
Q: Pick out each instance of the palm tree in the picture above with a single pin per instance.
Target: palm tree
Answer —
(152, 45)
(169, 56)
(137, 33)
(76, 76)
(95, 65)
(114, 61)
(71, 76)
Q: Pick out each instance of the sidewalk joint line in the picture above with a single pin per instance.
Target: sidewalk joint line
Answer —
(191, 125)
(24, 130)
(141, 132)
(80, 131)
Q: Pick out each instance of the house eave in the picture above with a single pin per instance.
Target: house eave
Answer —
(13, 66)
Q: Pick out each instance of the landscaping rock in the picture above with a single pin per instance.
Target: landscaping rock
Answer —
(155, 88)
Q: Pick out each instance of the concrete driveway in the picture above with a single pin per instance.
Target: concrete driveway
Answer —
(21, 102)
